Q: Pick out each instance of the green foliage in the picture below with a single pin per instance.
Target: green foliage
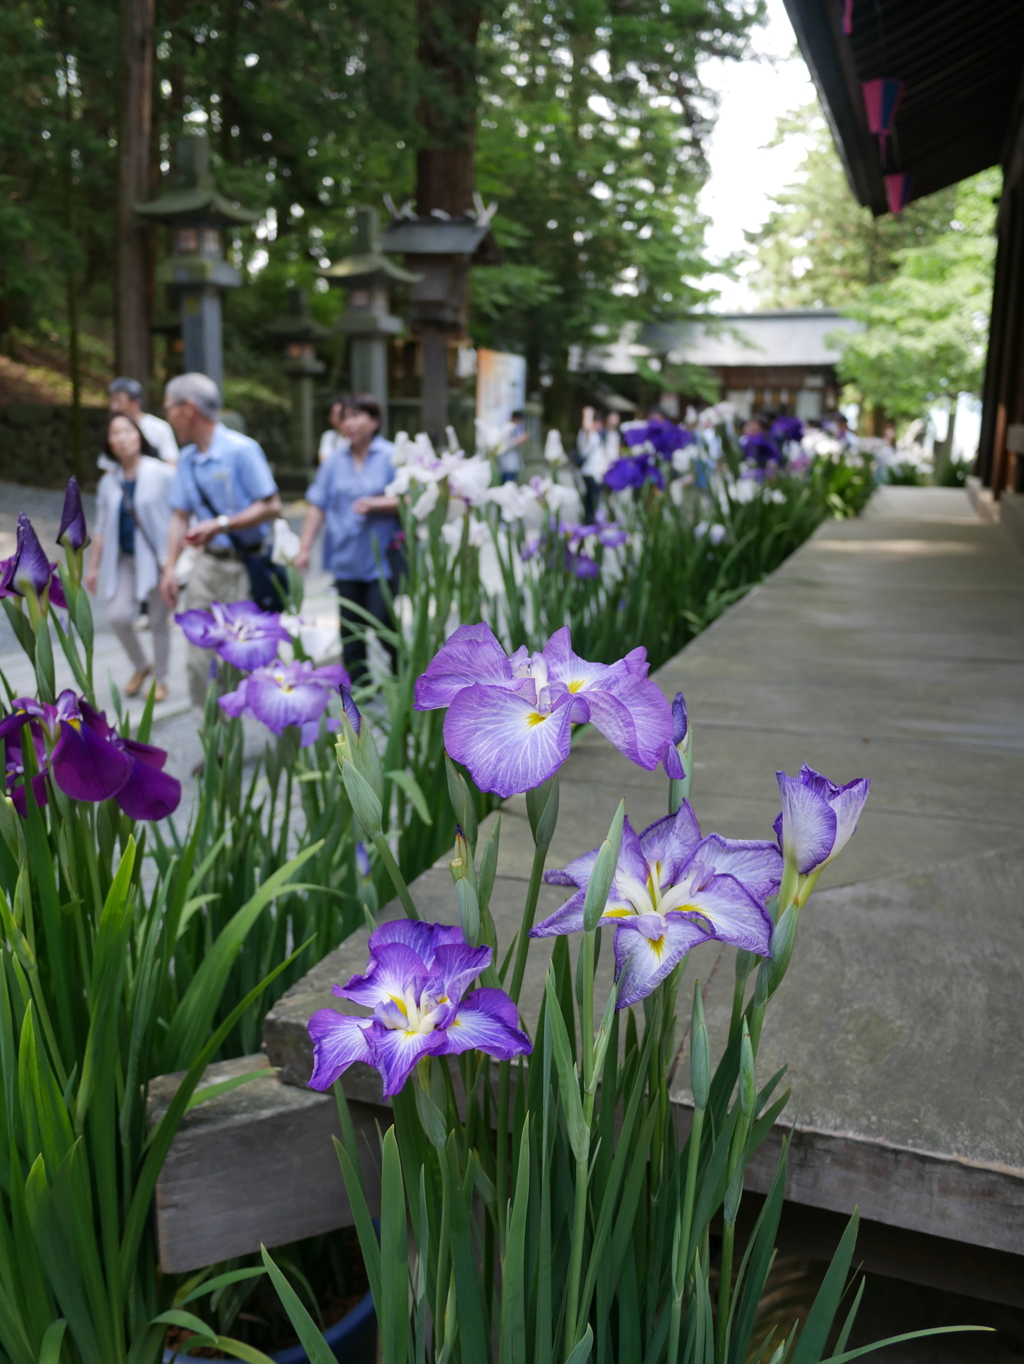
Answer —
(926, 328)
(589, 129)
(920, 281)
(818, 246)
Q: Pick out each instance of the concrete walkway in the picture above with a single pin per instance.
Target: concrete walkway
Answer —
(892, 647)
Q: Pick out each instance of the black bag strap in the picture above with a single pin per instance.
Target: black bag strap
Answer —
(129, 506)
(240, 547)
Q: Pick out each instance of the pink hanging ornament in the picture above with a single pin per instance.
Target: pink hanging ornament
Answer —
(898, 189)
(848, 17)
(880, 100)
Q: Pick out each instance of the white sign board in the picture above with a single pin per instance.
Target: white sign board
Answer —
(500, 386)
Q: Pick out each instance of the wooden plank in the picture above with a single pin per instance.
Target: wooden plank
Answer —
(254, 1166)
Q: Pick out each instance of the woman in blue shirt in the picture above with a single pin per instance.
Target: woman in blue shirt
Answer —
(360, 521)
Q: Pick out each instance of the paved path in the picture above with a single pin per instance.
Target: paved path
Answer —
(891, 646)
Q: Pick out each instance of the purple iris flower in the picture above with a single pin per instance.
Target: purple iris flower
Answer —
(786, 429)
(363, 862)
(242, 634)
(509, 719)
(288, 694)
(28, 571)
(818, 818)
(663, 436)
(88, 759)
(582, 565)
(72, 534)
(671, 890)
(416, 984)
(680, 728)
(760, 449)
(633, 471)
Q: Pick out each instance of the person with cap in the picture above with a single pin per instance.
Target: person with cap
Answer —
(126, 398)
(223, 480)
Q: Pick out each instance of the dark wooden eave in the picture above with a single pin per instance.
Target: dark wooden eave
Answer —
(961, 62)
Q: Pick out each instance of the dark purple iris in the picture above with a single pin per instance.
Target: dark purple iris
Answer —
(760, 449)
(28, 572)
(88, 759)
(785, 429)
(633, 471)
(662, 436)
(73, 534)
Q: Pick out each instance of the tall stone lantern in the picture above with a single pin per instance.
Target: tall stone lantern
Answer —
(366, 276)
(440, 249)
(299, 333)
(196, 270)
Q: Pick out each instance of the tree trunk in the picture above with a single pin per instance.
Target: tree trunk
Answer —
(133, 292)
(446, 111)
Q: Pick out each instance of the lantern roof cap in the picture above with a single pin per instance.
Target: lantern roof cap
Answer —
(194, 197)
(367, 265)
(296, 324)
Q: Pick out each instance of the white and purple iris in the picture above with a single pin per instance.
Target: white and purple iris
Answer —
(88, 760)
(818, 818)
(286, 694)
(509, 719)
(671, 890)
(241, 633)
(416, 983)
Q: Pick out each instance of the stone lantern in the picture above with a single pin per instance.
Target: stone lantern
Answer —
(440, 249)
(366, 277)
(299, 332)
(196, 271)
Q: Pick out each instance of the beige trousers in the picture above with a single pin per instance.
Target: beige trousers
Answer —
(212, 580)
(123, 612)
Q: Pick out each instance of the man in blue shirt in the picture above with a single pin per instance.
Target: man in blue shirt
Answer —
(349, 495)
(224, 481)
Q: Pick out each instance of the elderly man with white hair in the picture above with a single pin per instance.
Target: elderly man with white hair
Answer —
(222, 480)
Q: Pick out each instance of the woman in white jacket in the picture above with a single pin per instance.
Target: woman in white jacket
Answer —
(133, 513)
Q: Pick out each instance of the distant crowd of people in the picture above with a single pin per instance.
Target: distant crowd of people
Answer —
(184, 518)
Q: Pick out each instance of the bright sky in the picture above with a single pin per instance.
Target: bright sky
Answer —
(752, 96)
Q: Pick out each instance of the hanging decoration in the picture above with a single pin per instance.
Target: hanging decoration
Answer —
(847, 17)
(898, 189)
(880, 100)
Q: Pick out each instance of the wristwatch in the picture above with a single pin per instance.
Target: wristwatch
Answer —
(223, 521)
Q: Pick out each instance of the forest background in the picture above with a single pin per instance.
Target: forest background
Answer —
(585, 120)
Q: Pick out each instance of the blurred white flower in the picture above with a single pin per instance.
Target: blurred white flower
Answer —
(777, 496)
(512, 500)
(554, 451)
(715, 533)
(427, 501)
(493, 437)
(318, 641)
(682, 459)
(470, 478)
(286, 543)
(744, 490)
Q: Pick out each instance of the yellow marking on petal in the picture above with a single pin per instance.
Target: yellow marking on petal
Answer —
(657, 946)
(401, 1004)
(576, 685)
(618, 913)
(535, 718)
(75, 724)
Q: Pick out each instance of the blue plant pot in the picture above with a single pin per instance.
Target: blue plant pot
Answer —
(352, 1340)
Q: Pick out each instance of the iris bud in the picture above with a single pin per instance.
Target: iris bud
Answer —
(365, 804)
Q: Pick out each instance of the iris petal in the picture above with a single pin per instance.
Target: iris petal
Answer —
(507, 744)
(470, 654)
(487, 1021)
(87, 767)
(338, 1040)
(396, 1052)
(647, 949)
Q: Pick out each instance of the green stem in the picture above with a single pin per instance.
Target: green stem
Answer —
(529, 910)
(501, 1147)
(572, 1331)
(692, 1161)
(397, 879)
(738, 993)
(587, 1016)
(724, 1292)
